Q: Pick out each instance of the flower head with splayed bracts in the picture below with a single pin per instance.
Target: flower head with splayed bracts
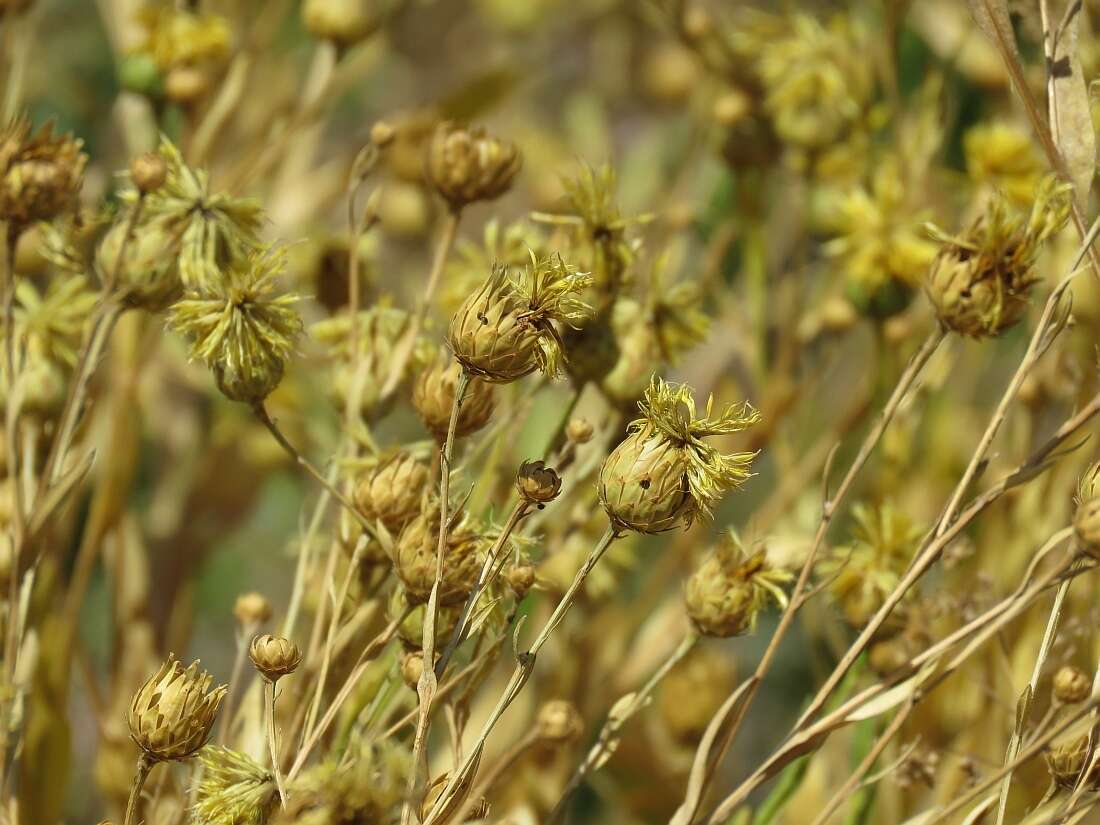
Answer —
(214, 229)
(241, 327)
(52, 323)
(40, 173)
(234, 789)
(727, 592)
(172, 714)
(981, 280)
(507, 329)
(664, 472)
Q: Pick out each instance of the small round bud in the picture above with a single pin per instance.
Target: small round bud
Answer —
(344, 22)
(579, 430)
(730, 108)
(412, 668)
(558, 722)
(521, 579)
(467, 165)
(274, 656)
(148, 172)
(537, 483)
(382, 134)
(727, 592)
(187, 85)
(252, 609)
(1071, 685)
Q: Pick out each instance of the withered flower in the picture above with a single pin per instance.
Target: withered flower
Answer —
(234, 789)
(537, 483)
(391, 490)
(414, 558)
(171, 716)
(467, 165)
(40, 173)
(726, 593)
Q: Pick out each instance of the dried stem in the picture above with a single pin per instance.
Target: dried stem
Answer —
(272, 744)
(144, 765)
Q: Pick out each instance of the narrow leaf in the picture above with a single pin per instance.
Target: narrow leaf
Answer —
(1070, 115)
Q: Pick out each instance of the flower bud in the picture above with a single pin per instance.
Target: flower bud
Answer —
(172, 714)
(521, 579)
(537, 483)
(412, 668)
(252, 609)
(186, 85)
(414, 559)
(391, 491)
(149, 172)
(274, 656)
(1071, 685)
(727, 592)
(344, 22)
(433, 398)
(467, 165)
(579, 431)
(382, 134)
(558, 722)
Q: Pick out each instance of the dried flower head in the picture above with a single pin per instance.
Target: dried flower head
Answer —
(558, 722)
(467, 165)
(1066, 761)
(537, 483)
(980, 281)
(176, 37)
(521, 578)
(1071, 685)
(52, 324)
(411, 630)
(233, 790)
(344, 22)
(215, 229)
(414, 558)
(172, 714)
(240, 328)
(252, 609)
(506, 329)
(664, 473)
(274, 656)
(412, 668)
(433, 399)
(40, 173)
(726, 593)
(391, 490)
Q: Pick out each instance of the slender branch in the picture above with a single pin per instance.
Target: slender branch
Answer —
(144, 765)
(273, 746)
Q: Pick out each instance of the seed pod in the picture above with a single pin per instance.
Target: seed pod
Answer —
(521, 579)
(392, 490)
(558, 722)
(274, 656)
(1071, 685)
(40, 174)
(149, 172)
(344, 22)
(579, 431)
(664, 473)
(980, 282)
(252, 609)
(148, 274)
(728, 591)
(1066, 761)
(414, 559)
(433, 397)
(537, 483)
(172, 714)
(467, 165)
(506, 329)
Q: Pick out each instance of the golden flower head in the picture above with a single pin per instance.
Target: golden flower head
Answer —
(274, 656)
(172, 714)
(726, 593)
(1003, 156)
(1071, 685)
(467, 165)
(51, 324)
(215, 229)
(1086, 517)
(980, 281)
(414, 558)
(665, 472)
(252, 609)
(537, 483)
(40, 173)
(344, 22)
(1066, 761)
(558, 722)
(392, 489)
(506, 329)
(233, 790)
(433, 398)
(177, 37)
(240, 328)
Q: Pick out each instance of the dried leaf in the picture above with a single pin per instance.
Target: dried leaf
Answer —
(992, 18)
(1070, 115)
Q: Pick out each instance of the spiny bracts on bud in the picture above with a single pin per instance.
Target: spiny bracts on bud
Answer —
(467, 165)
(507, 328)
(537, 483)
(433, 398)
(726, 593)
(40, 173)
(391, 490)
(981, 280)
(664, 473)
(274, 657)
(241, 327)
(172, 714)
(234, 789)
(414, 558)
(148, 271)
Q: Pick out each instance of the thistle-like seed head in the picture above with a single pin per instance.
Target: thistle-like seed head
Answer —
(252, 609)
(1071, 685)
(664, 473)
(274, 656)
(468, 165)
(391, 491)
(433, 397)
(172, 714)
(980, 281)
(537, 483)
(1066, 761)
(507, 328)
(344, 22)
(727, 592)
(40, 173)
(234, 789)
(242, 329)
(558, 722)
(414, 558)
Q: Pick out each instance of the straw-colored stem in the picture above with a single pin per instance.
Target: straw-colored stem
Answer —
(144, 765)
(272, 743)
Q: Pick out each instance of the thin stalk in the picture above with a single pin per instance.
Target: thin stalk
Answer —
(525, 664)
(426, 687)
(144, 765)
(243, 639)
(272, 744)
